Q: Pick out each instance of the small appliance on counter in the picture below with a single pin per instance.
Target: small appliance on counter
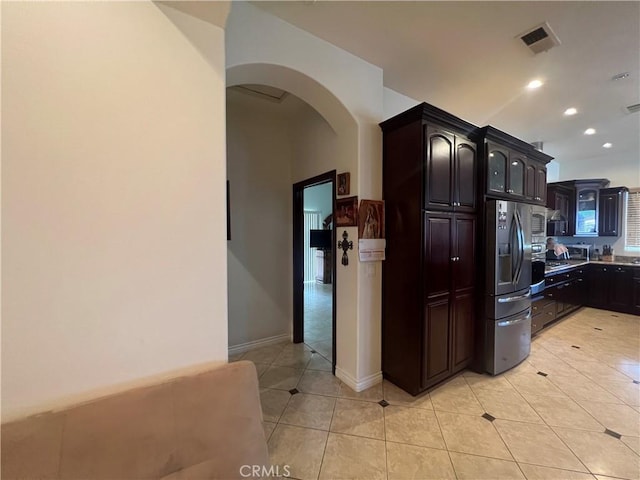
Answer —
(581, 252)
(607, 253)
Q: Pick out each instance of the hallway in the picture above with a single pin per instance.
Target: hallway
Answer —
(317, 318)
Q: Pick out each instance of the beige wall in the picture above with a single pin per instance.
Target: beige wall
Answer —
(259, 155)
(267, 145)
(348, 93)
(113, 199)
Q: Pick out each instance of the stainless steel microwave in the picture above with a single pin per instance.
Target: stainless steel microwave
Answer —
(580, 252)
(538, 223)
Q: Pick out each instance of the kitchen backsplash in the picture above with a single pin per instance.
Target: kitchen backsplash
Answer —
(599, 242)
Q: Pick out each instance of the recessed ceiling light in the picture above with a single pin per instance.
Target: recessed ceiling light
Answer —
(533, 84)
(590, 131)
(607, 145)
(570, 111)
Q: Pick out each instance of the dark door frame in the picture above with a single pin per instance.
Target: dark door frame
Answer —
(298, 258)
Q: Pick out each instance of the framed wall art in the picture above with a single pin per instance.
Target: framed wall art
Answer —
(347, 212)
(344, 183)
(371, 219)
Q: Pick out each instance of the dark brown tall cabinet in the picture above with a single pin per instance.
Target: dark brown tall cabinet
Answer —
(430, 173)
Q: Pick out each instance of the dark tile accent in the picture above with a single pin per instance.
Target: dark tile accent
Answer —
(574, 346)
(486, 416)
(636, 382)
(293, 391)
(612, 433)
(543, 374)
(383, 403)
(596, 328)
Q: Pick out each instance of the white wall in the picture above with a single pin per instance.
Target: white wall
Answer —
(395, 103)
(259, 254)
(348, 93)
(113, 199)
(621, 168)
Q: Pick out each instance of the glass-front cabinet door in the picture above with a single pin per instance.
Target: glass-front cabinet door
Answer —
(587, 211)
(516, 176)
(497, 172)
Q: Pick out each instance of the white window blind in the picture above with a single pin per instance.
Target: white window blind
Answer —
(633, 219)
(312, 221)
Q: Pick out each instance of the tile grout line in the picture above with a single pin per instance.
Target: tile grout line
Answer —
(551, 427)
(444, 440)
(569, 397)
(327, 441)
(574, 401)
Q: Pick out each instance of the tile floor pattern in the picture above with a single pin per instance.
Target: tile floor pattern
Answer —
(550, 413)
(318, 332)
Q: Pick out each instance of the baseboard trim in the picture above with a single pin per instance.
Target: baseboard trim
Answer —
(263, 342)
(359, 385)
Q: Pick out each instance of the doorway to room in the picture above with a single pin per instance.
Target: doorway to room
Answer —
(314, 244)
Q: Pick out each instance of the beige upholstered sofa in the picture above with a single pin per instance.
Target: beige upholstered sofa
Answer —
(197, 427)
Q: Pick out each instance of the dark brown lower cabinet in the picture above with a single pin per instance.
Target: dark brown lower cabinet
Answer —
(611, 287)
(543, 312)
(436, 363)
(449, 281)
(564, 293)
(636, 293)
(463, 329)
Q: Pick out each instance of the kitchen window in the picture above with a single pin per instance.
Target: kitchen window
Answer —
(632, 237)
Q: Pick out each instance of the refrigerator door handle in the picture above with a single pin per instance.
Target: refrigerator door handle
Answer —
(520, 246)
(514, 299)
(506, 323)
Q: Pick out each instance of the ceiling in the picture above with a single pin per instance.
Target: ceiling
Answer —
(466, 58)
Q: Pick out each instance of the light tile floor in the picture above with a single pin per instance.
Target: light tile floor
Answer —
(550, 413)
(318, 328)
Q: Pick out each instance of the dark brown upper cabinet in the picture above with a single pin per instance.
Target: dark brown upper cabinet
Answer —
(610, 206)
(561, 200)
(513, 169)
(540, 184)
(450, 171)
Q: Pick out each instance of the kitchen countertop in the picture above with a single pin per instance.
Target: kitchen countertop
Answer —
(578, 263)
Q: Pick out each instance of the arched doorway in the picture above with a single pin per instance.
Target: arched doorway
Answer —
(342, 158)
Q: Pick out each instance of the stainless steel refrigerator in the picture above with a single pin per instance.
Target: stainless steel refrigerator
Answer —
(508, 280)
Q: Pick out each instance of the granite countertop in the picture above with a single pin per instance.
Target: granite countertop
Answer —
(578, 263)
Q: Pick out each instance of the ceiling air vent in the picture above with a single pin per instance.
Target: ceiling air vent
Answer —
(540, 38)
(633, 108)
